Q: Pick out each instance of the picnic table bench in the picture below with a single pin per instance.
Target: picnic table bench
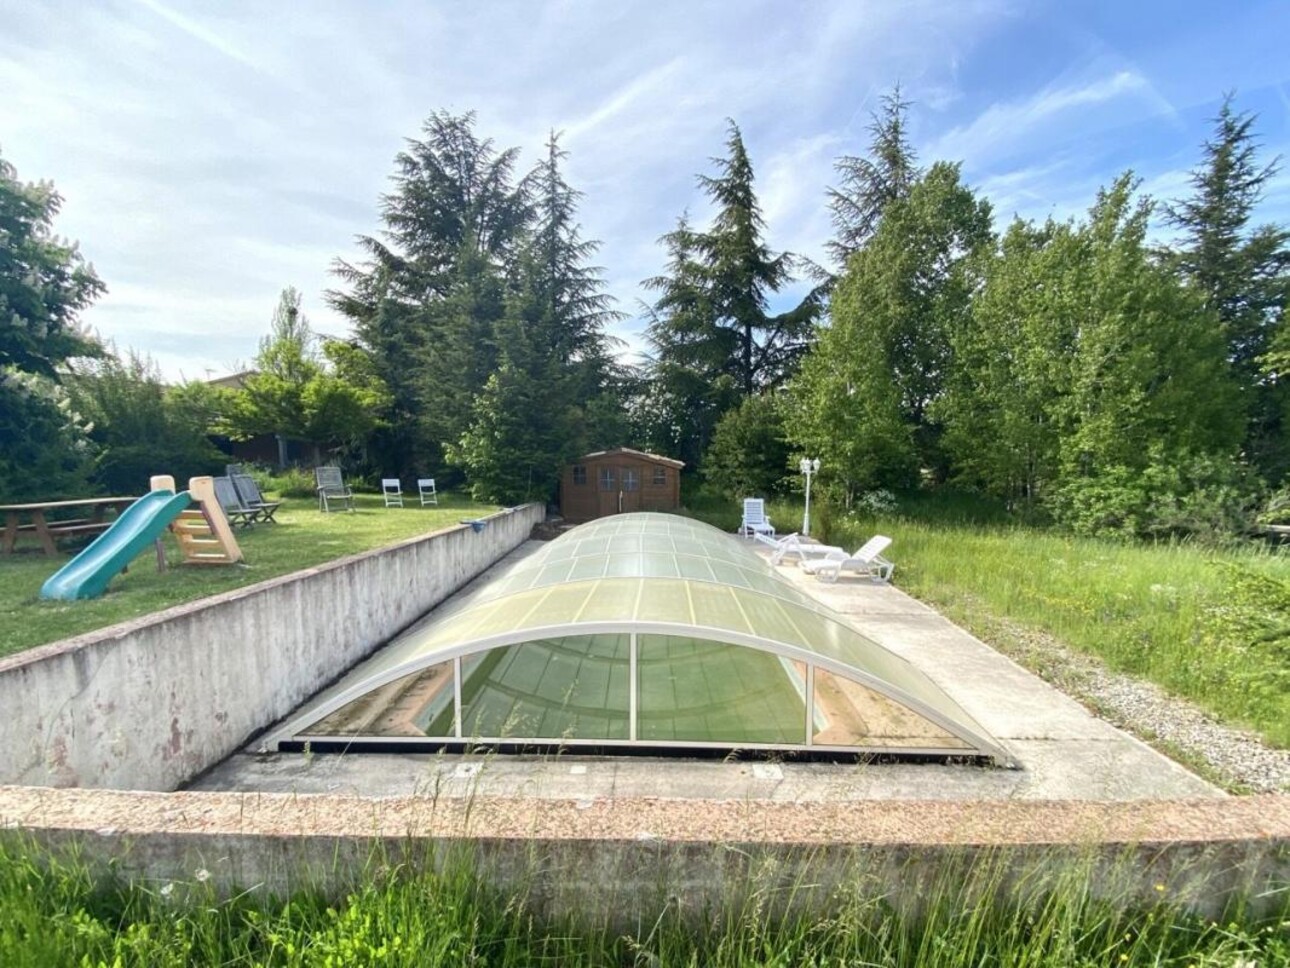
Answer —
(37, 525)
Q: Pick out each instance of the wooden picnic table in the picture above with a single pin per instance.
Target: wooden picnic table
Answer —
(46, 531)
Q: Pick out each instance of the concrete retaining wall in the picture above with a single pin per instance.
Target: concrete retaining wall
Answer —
(615, 860)
(146, 705)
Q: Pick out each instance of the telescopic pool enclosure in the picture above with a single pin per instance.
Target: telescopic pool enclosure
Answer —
(639, 631)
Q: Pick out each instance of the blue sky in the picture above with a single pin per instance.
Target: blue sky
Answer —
(211, 154)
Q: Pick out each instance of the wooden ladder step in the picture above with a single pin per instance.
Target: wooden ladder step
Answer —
(198, 540)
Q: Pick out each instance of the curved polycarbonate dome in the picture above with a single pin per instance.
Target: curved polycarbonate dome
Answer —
(650, 629)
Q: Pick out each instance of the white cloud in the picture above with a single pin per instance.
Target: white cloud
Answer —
(212, 154)
(1010, 126)
(199, 32)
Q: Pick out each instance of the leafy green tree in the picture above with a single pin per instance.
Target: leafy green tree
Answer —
(44, 281)
(867, 185)
(1092, 381)
(1149, 382)
(1243, 272)
(45, 450)
(44, 285)
(749, 453)
(139, 425)
(326, 396)
(1012, 363)
(865, 394)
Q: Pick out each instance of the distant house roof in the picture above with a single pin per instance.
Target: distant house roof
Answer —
(234, 381)
(627, 451)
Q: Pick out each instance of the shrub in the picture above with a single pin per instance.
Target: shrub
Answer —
(44, 450)
(748, 456)
(1253, 622)
(292, 482)
(1192, 495)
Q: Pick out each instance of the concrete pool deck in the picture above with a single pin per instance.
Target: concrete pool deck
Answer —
(1065, 752)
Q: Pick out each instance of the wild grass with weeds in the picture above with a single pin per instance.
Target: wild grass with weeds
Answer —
(1162, 612)
(967, 914)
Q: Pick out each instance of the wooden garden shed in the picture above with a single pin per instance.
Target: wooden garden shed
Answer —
(617, 481)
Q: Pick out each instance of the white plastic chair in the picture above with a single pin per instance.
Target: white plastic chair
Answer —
(425, 488)
(392, 491)
(755, 521)
(867, 560)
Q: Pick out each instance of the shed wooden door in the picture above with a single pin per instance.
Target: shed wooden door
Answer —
(618, 489)
(629, 479)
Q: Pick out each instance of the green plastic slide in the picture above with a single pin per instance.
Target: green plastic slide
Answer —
(88, 574)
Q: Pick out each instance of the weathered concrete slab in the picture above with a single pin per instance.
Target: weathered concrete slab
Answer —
(618, 857)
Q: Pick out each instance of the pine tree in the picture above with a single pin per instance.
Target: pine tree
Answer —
(866, 186)
(552, 394)
(713, 338)
(689, 385)
(741, 274)
(426, 301)
(1243, 272)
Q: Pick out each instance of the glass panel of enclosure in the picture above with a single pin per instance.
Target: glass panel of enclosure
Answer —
(414, 705)
(689, 690)
(849, 713)
(700, 691)
(569, 688)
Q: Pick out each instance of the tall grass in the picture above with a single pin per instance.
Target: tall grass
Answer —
(1158, 612)
(1212, 625)
(55, 913)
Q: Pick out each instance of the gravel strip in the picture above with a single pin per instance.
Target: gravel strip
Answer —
(1238, 758)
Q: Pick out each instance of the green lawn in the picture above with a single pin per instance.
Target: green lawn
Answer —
(303, 537)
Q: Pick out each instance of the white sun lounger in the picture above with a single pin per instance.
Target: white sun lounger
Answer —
(866, 560)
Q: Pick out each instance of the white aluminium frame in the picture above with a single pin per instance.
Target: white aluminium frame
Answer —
(296, 729)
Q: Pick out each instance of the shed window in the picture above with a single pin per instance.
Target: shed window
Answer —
(660, 477)
(606, 478)
(631, 479)
(579, 474)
